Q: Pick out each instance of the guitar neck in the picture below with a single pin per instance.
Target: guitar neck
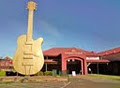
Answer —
(31, 8)
(30, 26)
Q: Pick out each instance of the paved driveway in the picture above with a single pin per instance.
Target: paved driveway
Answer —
(90, 82)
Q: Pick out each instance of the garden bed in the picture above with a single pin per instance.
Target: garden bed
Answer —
(32, 78)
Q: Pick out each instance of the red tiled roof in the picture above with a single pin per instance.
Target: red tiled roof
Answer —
(54, 51)
(7, 58)
(109, 52)
(58, 51)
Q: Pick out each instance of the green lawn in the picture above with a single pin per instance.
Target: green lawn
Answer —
(105, 76)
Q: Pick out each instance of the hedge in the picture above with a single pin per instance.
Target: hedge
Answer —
(48, 73)
(2, 73)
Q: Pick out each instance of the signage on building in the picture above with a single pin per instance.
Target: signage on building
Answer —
(73, 52)
(92, 58)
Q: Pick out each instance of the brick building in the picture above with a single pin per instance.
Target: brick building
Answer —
(6, 64)
(66, 60)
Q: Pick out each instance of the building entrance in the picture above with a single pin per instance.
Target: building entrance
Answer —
(74, 65)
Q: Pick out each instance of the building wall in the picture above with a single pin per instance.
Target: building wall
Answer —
(6, 64)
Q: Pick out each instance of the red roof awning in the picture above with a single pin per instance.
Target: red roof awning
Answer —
(103, 61)
(50, 61)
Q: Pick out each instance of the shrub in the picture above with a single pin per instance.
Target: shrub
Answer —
(40, 73)
(2, 73)
(48, 73)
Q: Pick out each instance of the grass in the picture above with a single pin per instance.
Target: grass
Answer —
(106, 76)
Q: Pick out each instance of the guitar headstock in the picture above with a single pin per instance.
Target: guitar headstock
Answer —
(31, 5)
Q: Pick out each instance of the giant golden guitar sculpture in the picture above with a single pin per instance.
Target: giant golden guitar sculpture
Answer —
(28, 59)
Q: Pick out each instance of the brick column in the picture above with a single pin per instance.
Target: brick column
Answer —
(64, 66)
(82, 69)
(85, 67)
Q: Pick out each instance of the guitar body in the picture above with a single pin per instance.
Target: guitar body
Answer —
(28, 59)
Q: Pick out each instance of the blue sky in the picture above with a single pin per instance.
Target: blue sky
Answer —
(92, 25)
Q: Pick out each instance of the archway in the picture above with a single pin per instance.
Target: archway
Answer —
(74, 64)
